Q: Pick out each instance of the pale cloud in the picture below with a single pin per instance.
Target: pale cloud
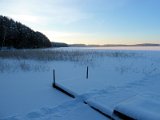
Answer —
(78, 37)
(53, 11)
(24, 18)
(61, 35)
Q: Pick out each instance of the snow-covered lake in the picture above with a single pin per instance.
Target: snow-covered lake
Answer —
(154, 48)
(117, 75)
(138, 48)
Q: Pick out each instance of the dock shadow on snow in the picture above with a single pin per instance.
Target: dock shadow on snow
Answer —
(129, 108)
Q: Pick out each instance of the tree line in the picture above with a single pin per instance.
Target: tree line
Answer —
(15, 34)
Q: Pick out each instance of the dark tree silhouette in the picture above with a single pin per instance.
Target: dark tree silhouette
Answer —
(14, 34)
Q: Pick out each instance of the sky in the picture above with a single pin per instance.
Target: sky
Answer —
(89, 21)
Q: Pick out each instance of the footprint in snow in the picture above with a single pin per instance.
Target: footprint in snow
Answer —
(34, 115)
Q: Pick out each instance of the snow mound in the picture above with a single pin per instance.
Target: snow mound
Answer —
(71, 110)
(140, 107)
(107, 102)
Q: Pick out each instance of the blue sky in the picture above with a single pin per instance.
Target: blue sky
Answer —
(89, 21)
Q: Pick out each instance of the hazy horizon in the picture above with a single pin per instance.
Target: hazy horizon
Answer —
(89, 21)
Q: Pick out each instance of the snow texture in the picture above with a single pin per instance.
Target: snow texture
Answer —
(127, 81)
(141, 107)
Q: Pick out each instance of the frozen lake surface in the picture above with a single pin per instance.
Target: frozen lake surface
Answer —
(114, 76)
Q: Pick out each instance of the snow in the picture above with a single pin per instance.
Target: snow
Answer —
(29, 95)
(106, 102)
(127, 81)
(19, 94)
(144, 107)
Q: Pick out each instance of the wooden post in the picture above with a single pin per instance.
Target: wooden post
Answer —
(87, 73)
(58, 87)
(54, 78)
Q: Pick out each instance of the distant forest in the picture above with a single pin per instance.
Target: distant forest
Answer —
(58, 44)
(16, 35)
